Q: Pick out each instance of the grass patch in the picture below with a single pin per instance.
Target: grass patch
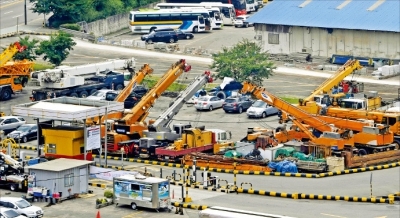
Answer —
(291, 100)
(174, 87)
(42, 66)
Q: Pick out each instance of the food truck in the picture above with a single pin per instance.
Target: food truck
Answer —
(141, 191)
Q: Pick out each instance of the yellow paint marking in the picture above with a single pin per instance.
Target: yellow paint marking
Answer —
(332, 215)
(132, 215)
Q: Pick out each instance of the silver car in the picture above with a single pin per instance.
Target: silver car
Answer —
(261, 109)
(241, 21)
(208, 103)
(11, 123)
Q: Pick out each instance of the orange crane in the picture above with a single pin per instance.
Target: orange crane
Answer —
(372, 139)
(9, 52)
(129, 128)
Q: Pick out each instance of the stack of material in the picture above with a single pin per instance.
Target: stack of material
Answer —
(312, 166)
(219, 158)
(387, 71)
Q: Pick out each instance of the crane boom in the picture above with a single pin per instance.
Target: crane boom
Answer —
(141, 109)
(9, 52)
(163, 121)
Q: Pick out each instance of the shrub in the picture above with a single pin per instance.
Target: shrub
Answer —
(108, 193)
(71, 26)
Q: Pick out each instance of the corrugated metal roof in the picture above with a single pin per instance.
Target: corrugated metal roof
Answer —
(60, 164)
(379, 15)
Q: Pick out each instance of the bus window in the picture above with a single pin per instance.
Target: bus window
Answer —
(185, 16)
(140, 17)
(175, 17)
(165, 17)
(153, 17)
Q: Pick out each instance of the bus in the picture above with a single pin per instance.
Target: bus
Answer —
(250, 6)
(227, 11)
(223, 212)
(239, 5)
(187, 20)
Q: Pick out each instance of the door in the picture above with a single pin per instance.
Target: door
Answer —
(201, 22)
(33, 133)
(82, 180)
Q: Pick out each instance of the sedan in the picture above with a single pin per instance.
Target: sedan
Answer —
(261, 109)
(24, 133)
(11, 123)
(237, 104)
(208, 103)
(241, 21)
(184, 35)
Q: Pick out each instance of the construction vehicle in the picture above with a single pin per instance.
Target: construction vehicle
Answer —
(12, 173)
(13, 75)
(81, 81)
(125, 132)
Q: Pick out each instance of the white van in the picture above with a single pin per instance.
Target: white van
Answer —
(22, 206)
(9, 213)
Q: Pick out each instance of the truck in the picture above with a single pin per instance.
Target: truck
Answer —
(13, 75)
(12, 173)
(81, 81)
(229, 87)
(127, 130)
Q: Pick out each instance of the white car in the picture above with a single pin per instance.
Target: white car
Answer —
(100, 94)
(11, 123)
(9, 213)
(261, 109)
(241, 21)
(22, 206)
(208, 103)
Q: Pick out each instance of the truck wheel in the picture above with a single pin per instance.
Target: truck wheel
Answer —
(221, 95)
(120, 87)
(83, 94)
(133, 206)
(13, 187)
(6, 94)
(74, 95)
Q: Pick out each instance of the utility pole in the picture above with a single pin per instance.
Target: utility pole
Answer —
(26, 14)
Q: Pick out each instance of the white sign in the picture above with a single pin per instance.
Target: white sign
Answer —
(93, 138)
(108, 174)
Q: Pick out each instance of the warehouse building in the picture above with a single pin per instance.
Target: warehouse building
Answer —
(359, 28)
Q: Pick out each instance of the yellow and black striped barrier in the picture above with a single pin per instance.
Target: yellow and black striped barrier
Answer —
(190, 206)
(389, 200)
(359, 170)
(223, 189)
(99, 185)
(27, 147)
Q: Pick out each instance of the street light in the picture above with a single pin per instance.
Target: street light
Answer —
(25, 14)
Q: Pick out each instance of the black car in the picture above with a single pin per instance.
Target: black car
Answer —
(237, 104)
(140, 91)
(25, 132)
(155, 30)
(184, 35)
(133, 98)
(161, 36)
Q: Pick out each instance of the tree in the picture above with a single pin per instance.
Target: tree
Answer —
(67, 10)
(56, 50)
(244, 62)
(29, 52)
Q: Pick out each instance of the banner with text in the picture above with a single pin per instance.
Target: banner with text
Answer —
(108, 174)
(93, 138)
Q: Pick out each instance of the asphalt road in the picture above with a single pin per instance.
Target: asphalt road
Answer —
(11, 10)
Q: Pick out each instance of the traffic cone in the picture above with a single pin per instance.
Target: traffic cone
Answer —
(98, 214)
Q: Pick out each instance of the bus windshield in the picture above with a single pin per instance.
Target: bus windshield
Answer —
(239, 4)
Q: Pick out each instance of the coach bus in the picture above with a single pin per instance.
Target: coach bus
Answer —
(187, 20)
(227, 11)
(239, 5)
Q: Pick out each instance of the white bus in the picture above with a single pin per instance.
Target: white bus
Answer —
(215, 15)
(227, 11)
(187, 20)
(250, 6)
(223, 212)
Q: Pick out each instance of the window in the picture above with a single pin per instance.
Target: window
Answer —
(51, 149)
(140, 17)
(20, 118)
(273, 38)
(135, 187)
(175, 17)
(185, 16)
(69, 180)
(164, 17)
(153, 17)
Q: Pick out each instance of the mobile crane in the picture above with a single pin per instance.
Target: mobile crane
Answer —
(126, 131)
(372, 138)
(12, 173)
(13, 75)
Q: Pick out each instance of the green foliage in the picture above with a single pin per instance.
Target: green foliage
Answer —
(244, 62)
(40, 66)
(108, 193)
(29, 52)
(291, 100)
(56, 50)
(71, 26)
(174, 87)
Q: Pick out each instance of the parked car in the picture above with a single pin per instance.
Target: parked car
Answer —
(132, 100)
(9, 213)
(140, 90)
(199, 93)
(241, 21)
(261, 109)
(156, 30)
(184, 35)
(22, 206)
(100, 94)
(161, 36)
(24, 133)
(208, 103)
(10, 123)
(237, 104)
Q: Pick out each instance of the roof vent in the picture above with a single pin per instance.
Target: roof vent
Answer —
(375, 5)
(306, 2)
(343, 4)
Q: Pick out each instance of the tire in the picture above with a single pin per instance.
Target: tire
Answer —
(236, 26)
(74, 95)
(264, 115)
(221, 95)
(24, 139)
(171, 40)
(246, 25)
(119, 87)
(13, 187)
(133, 206)
(195, 29)
(83, 94)
(396, 146)
(6, 94)
(188, 37)
(240, 110)
(210, 108)
(149, 41)
(92, 91)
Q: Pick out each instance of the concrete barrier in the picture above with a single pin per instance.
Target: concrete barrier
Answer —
(189, 206)
(99, 185)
